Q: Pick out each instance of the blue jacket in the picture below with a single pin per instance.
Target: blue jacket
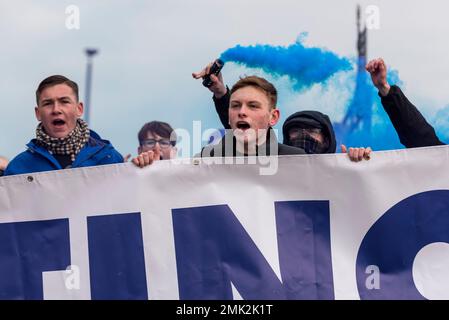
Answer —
(37, 159)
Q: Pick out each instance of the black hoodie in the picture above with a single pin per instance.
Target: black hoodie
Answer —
(310, 117)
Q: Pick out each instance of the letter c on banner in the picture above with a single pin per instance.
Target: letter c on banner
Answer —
(393, 242)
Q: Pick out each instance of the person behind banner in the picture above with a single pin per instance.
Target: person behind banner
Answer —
(63, 140)
(159, 137)
(3, 165)
(412, 128)
(309, 130)
(252, 113)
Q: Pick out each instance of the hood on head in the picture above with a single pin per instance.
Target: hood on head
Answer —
(313, 119)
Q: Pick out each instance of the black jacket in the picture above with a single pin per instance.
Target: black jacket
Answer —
(413, 130)
(222, 106)
(223, 149)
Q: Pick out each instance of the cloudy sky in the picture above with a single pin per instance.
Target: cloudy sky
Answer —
(148, 50)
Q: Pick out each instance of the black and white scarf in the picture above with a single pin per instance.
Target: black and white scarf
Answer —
(70, 145)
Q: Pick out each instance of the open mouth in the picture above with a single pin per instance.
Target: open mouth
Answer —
(58, 122)
(243, 125)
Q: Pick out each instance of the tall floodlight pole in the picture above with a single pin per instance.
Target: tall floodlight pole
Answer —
(90, 53)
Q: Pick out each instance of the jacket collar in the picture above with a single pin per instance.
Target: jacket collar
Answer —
(264, 150)
(36, 148)
(94, 145)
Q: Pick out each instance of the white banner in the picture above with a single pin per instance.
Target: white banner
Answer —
(322, 227)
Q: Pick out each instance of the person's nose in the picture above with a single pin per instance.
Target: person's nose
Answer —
(157, 146)
(56, 108)
(243, 111)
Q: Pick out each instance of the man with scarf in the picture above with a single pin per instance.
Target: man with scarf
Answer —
(311, 131)
(63, 140)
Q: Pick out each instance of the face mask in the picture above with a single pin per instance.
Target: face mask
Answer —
(309, 144)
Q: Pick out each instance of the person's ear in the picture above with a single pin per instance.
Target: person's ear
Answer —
(37, 113)
(274, 118)
(79, 109)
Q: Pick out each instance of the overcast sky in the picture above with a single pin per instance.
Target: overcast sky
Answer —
(148, 50)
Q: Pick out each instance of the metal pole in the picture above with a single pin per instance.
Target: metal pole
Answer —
(87, 107)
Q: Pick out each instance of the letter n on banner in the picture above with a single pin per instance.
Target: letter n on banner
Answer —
(213, 250)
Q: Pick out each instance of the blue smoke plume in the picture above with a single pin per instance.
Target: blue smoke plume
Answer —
(365, 122)
(304, 66)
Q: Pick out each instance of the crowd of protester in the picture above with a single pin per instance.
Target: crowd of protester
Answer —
(248, 111)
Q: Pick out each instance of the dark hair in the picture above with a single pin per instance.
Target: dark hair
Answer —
(53, 81)
(160, 128)
(259, 83)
